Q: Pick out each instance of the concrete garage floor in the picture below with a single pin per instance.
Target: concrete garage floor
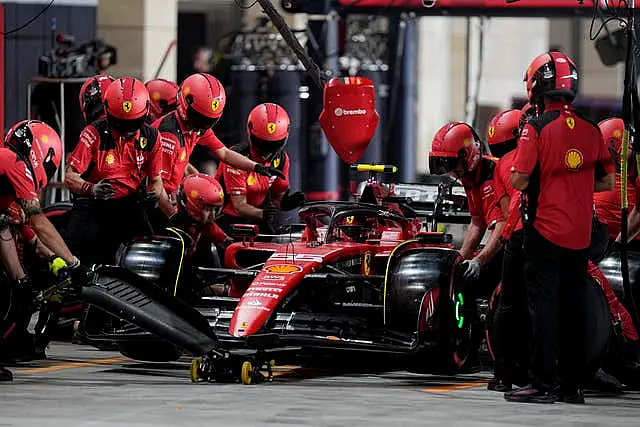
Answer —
(81, 386)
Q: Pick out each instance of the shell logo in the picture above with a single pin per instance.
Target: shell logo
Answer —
(186, 91)
(251, 180)
(215, 104)
(44, 138)
(570, 122)
(271, 128)
(283, 268)
(155, 96)
(127, 106)
(183, 155)
(110, 159)
(573, 159)
(222, 196)
(617, 133)
(193, 194)
(467, 142)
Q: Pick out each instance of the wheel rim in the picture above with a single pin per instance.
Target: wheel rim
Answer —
(194, 375)
(246, 375)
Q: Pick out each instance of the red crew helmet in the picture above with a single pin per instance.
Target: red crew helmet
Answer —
(162, 94)
(127, 105)
(91, 95)
(612, 131)
(39, 145)
(201, 101)
(455, 148)
(551, 74)
(201, 196)
(268, 128)
(503, 131)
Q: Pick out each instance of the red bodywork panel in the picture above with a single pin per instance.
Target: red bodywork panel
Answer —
(284, 271)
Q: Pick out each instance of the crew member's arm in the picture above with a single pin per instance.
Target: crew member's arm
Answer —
(236, 184)
(280, 186)
(79, 161)
(526, 157)
(30, 238)
(495, 222)
(223, 154)
(493, 244)
(153, 169)
(605, 172)
(190, 170)
(216, 235)
(473, 236)
(45, 231)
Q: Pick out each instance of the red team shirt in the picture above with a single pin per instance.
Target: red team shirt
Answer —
(504, 188)
(255, 187)
(568, 150)
(482, 201)
(177, 146)
(608, 207)
(125, 165)
(16, 180)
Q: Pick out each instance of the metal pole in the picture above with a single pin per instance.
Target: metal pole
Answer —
(332, 48)
(409, 96)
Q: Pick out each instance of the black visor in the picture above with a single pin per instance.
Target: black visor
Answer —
(267, 149)
(439, 165)
(126, 126)
(49, 165)
(502, 148)
(199, 121)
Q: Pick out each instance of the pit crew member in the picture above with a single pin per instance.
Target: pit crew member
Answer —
(250, 197)
(559, 154)
(162, 93)
(91, 95)
(106, 172)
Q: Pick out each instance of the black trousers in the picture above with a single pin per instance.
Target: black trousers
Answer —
(512, 323)
(556, 286)
(97, 228)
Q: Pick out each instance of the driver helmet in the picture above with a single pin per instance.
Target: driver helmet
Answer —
(201, 197)
(162, 94)
(37, 144)
(612, 132)
(503, 132)
(127, 105)
(268, 129)
(201, 101)
(91, 95)
(551, 74)
(455, 149)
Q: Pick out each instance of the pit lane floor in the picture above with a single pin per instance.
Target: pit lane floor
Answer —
(81, 386)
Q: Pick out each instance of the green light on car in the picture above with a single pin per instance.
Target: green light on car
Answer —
(459, 307)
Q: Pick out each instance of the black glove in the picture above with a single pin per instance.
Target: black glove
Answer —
(269, 213)
(292, 201)
(268, 171)
(149, 200)
(80, 273)
(102, 190)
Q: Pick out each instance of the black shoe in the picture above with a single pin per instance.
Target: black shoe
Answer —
(530, 394)
(573, 396)
(606, 383)
(5, 374)
(500, 385)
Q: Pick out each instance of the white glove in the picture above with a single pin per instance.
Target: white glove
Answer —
(473, 269)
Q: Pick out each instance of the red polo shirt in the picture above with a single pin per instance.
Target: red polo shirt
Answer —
(125, 162)
(608, 207)
(569, 152)
(504, 188)
(16, 180)
(177, 145)
(481, 193)
(255, 187)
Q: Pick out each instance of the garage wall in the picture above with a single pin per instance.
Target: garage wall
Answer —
(23, 49)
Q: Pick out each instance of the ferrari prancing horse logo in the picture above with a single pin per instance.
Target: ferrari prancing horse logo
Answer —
(271, 128)
(570, 122)
(127, 106)
(215, 104)
(492, 131)
(143, 142)
(366, 264)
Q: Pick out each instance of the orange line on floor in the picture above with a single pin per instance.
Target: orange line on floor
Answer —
(454, 387)
(71, 365)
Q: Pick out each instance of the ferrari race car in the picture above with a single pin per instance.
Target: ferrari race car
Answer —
(358, 276)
